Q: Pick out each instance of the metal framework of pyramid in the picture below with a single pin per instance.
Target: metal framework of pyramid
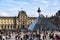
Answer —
(42, 22)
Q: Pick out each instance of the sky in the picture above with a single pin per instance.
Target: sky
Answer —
(12, 7)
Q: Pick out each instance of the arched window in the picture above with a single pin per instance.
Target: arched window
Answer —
(23, 26)
(18, 27)
(11, 27)
(5, 27)
(8, 27)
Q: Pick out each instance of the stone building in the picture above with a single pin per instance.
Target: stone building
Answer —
(14, 23)
(55, 19)
(23, 21)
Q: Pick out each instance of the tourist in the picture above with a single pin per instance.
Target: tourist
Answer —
(0, 37)
(56, 37)
(25, 37)
(4, 37)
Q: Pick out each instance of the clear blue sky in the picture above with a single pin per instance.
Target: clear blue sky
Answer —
(11, 7)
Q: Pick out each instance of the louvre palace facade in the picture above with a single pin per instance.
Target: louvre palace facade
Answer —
(14, 23)
(23, 21)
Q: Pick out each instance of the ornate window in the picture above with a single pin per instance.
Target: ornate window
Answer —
(3, 21)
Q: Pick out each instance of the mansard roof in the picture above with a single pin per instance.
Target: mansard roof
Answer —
(7, 17)
(22, 12)
(32, 17)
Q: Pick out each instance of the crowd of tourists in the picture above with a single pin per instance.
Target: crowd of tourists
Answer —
(41, 36)
(32, 36)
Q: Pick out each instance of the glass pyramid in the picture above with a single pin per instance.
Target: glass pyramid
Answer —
(42, 23)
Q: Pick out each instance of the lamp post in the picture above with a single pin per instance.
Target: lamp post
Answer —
(39, 11)
(39, 17)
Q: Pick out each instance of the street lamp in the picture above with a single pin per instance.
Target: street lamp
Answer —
(39, 17)
(39, 11)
